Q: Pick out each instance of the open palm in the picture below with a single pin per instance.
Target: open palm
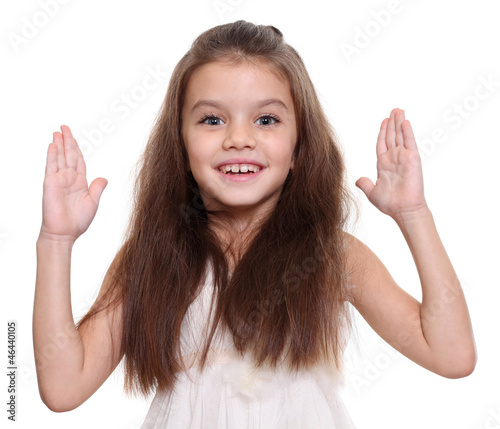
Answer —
(399, 189)
(68, 205)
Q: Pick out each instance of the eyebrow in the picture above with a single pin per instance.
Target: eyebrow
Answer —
(259, 104)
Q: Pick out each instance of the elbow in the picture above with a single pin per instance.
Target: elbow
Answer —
(53, 405)
(458, 372)
(460, 368)
(58, 407)
(56, 404)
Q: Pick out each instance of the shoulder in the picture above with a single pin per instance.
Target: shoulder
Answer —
(358, 254)
(364, 269)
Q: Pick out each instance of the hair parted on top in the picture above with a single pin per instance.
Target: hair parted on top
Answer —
(292, 308)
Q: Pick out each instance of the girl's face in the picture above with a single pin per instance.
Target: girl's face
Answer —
(239, 119)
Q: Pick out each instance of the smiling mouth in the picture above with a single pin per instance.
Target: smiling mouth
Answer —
(236, 169)
(238, 173)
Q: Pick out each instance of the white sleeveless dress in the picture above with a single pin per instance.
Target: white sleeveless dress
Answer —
(230, 393)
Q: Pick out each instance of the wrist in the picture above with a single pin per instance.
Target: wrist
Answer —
(55, 241)
(408, 217)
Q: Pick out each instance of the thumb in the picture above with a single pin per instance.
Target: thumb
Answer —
(96, 188)
(365, 184)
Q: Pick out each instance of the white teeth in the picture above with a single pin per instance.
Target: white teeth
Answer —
(242, 168)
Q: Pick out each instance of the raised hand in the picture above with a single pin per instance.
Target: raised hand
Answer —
(399, 190)
(68, 205)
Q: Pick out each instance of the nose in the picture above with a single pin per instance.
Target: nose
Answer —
(239, 136)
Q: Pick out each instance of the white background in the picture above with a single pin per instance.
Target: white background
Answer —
(427, 58)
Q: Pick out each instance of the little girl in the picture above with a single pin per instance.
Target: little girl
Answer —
(230, 295)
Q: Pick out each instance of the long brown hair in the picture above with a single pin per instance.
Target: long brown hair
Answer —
(287, 295)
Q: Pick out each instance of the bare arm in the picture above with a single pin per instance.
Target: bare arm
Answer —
(437, 333)
(444, 316)
(70, 364)
(57, 344)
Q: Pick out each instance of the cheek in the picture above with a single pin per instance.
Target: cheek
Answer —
(285, 152)
(199, 156)
(284, 160)
(194, 149)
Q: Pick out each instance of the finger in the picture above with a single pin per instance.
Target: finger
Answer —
(399, 118)
(366, 185)
(381, 143)
(51, 166)
(96, 188)
(410, 142)
(70, 151)
(80, 167)
(391, 131)
(61, 160)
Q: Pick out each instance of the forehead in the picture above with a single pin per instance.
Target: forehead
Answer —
(242, 81)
